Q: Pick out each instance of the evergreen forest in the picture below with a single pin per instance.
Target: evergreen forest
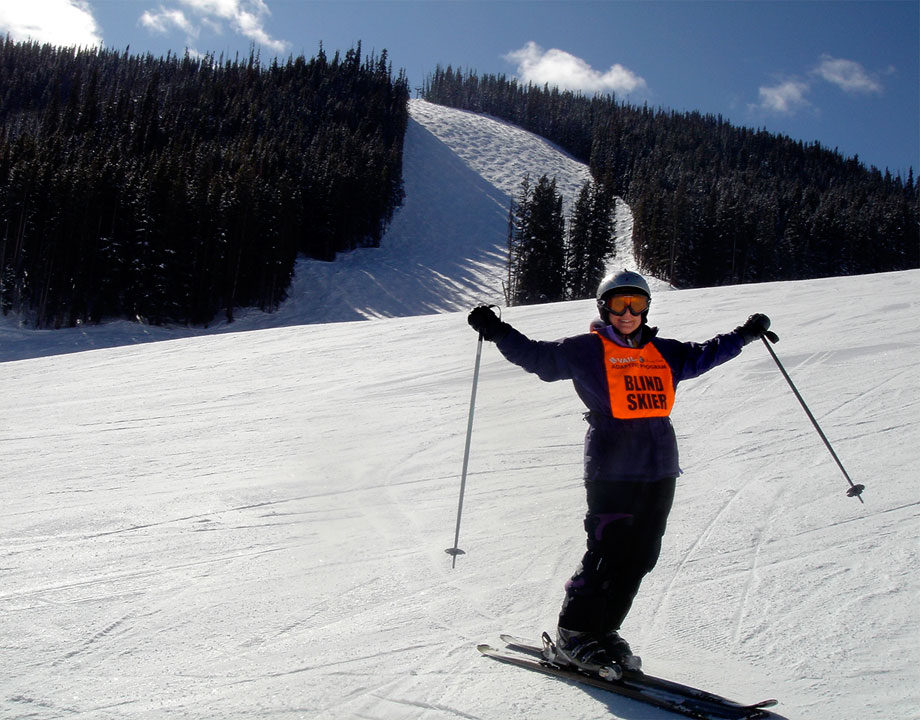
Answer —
(177, 189)
(713, 203)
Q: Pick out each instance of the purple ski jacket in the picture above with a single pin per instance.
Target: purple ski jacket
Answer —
(642, 449)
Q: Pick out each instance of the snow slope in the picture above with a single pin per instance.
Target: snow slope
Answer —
(251, 522)
(447, 247)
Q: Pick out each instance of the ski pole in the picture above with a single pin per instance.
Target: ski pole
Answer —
(455, 550)
(854, 490)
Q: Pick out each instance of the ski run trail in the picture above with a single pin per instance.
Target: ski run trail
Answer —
(249, 521)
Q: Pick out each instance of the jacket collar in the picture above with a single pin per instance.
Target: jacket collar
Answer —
(637, 339)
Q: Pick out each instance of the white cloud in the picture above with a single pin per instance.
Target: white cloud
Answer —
(784, 98)
(57, 22)
(246, 17)
(848, 75)
(563, 70)
(163, 20)
(788, 96)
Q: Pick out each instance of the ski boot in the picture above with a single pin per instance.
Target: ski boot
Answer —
(620, 652)
(583, 651)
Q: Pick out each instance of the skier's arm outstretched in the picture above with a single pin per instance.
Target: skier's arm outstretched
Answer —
(550, 360)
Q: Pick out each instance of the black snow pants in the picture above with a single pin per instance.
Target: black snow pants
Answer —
(625, 524)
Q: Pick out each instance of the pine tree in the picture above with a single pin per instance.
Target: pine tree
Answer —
(590, 243)
(539, 244)
(518, 232)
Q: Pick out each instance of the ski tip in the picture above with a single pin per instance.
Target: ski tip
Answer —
(516, 640)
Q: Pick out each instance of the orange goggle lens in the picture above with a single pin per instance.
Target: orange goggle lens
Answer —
(618, 304)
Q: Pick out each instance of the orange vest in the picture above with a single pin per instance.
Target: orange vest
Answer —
(639, 381)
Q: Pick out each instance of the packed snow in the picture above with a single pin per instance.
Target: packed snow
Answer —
(250, 521)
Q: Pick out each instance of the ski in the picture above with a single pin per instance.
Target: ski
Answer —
(660, 693)
(536, 649)
(691, 707)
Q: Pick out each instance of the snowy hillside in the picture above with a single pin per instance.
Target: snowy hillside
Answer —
(445, 250)
(447, 247)
(253, 523)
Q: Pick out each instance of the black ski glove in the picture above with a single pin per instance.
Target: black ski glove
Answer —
(487, 323)
(757, 326)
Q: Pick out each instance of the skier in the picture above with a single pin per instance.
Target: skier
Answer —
(626, 375)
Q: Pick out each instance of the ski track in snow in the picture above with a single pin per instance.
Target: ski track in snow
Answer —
(250, 521)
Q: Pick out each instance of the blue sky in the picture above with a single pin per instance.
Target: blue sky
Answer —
(842, 73)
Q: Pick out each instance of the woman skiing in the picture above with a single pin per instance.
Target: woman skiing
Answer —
(626, 376)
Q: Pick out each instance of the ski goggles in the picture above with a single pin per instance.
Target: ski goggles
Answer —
(618, 304)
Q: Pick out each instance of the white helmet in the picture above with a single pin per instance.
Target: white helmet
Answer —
(623, 281)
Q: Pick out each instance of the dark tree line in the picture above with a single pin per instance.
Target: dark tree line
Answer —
(714, 203)
(172, 189)
(548, 260)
